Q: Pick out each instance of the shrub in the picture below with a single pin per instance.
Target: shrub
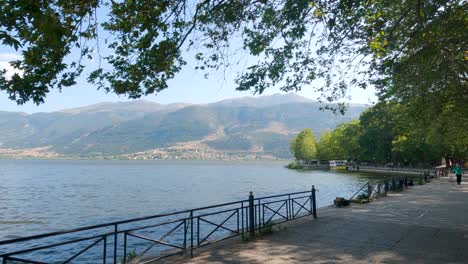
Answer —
(294, 166)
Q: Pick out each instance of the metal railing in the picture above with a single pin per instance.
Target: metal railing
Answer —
(147, 239)
(393, 169)
(394, 184)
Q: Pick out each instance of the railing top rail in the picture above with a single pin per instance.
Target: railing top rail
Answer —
(127, 221)
(68, 231)
(279, 195)
(55, 244)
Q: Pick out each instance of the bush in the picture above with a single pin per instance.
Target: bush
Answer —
(420, 181)
(130, 256)
(267, 229)
(362, 196)
(294, 166)
(361, 199)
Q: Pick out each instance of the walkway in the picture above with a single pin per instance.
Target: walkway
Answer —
(425, 224)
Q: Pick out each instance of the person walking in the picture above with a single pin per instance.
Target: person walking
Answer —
(458, 170)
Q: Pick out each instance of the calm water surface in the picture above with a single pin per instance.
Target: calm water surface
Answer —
(38, 196)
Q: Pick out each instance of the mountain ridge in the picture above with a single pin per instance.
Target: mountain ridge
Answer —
(253, 126)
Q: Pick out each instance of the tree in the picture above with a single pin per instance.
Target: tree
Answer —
(325, 146)
(341, 143)
(304, 145)
(350, 133)
(377, 133)
(393, 132)
(328, 147)
(448, 134)
(410, 49)
(292, 148)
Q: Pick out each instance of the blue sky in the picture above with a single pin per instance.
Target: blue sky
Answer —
(189, 87)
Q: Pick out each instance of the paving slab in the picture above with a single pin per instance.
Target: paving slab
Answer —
(424, 224)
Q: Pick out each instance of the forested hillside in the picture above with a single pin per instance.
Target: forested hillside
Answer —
(262, 125)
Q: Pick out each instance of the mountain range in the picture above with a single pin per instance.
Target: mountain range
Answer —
(248, 127)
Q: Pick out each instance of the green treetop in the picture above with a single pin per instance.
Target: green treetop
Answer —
(304, 145)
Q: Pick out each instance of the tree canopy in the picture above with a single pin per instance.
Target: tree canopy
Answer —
(413, 51)
(341, 143)
(304, 145)
(389, 132)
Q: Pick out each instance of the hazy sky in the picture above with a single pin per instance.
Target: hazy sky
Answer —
(189, 86)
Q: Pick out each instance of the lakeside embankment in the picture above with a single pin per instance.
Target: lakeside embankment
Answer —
(425, 224)
(386, 170)
(389, 170)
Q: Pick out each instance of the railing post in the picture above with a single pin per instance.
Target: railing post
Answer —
(125, 248)
(185, 234)
(369, 191)
(258, 218)
(251, 215)
(115, 244)
(314, 202)
(104, 253)
(191, 234)
(242, 220)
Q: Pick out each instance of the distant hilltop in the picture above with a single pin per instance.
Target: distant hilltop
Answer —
(248, 128)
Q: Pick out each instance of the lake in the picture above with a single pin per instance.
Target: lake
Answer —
(38, 196)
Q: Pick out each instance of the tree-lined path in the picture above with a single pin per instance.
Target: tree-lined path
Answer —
(425, 224)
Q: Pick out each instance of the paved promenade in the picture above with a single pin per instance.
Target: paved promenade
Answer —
(425, 224)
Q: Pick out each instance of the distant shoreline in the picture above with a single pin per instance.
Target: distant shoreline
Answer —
(130, 159)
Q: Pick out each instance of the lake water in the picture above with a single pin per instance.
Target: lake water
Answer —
(38, 196)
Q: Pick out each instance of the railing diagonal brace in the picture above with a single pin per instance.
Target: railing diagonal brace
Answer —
(82, 251)
(156, 242)
(302, 206)
(276, 212)
(217, 226)
(220, 226)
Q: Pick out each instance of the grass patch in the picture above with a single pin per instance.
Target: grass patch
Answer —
(130, 256)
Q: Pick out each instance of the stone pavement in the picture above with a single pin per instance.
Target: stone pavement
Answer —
(425, 224)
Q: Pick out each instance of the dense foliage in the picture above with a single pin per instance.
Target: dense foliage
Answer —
(341, 143)
(388, 132)
(304, 145)
(413, 51)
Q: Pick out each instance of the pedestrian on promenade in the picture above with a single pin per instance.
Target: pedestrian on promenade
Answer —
(458, 170)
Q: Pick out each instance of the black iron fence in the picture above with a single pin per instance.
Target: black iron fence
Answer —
(146, 239)
(394, 184)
